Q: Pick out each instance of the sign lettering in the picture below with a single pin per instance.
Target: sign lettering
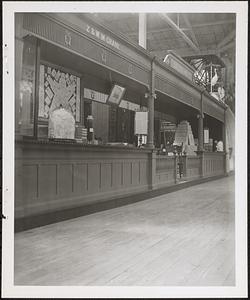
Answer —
(103, 37)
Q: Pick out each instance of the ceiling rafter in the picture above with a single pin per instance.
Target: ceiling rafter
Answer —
(152, 31)
(179, 31)
(228, 46)
(186, 20)
(214, 23)
(226, 39)
(185, 52)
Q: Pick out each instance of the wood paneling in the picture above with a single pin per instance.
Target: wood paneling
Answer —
(213, 164)
(80, 178)
(117, 174)
(106, 176)
(144, 172)
(55, 178)
(47, 180)
(65, 179)
(193, 167)
(127, 173)
(165, 170)
(94, 176)
(30, 179)
(135, 173)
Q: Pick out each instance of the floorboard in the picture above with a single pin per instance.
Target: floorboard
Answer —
(184, 238)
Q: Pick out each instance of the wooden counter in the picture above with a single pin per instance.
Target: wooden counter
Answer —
(55, 176)
(52, 176)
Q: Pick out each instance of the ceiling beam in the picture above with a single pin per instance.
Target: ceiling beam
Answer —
(152, 31)
(226, 39)
(213, 23)
(179, 31)
(185, 52)
(186, 20)
(228, 46)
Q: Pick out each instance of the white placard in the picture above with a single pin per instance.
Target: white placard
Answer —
(206, 136)
(141, 122)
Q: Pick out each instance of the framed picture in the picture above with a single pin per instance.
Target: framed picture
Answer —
(116, 94)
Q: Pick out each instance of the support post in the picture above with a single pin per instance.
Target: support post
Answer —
(37, 79)
(200, 133)
(151, 97)
(18, 68)
(143, 30)
(175, 167)
(184, 159)
(200, 151)
(152, 171)
(224, 139)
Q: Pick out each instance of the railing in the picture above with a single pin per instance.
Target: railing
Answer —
(213, 164)
(193, 167)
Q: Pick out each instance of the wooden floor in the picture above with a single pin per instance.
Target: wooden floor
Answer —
(184, 238)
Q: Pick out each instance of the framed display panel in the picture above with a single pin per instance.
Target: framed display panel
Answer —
(116, 94)
(58, 87)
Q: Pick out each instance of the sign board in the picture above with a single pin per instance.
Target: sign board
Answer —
(141, 122)
(102, 98)
(116, 94)
(95, 96)
(167, 126)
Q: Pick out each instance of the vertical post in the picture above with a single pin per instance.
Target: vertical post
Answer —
(175, 167)
(184, 159)
(143, 30)
(211, 74)
(224, 139)
(200, 127)
(152, 171)
(151, 97)
(37, 82)
(200, 151)
(18, 68)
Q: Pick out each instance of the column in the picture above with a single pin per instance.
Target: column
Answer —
(200, 149)
(224, 140)
(18, 68)
(143, 30)
(151, 97)
(152, 170)
(200, 132)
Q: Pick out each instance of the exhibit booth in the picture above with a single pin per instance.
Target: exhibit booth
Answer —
(97, 117)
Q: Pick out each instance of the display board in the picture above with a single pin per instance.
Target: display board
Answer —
(58, 88)
(141, 122)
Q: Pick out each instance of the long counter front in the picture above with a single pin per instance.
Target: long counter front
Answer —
(53, 176)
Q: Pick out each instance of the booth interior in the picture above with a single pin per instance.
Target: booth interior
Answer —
(112, 124)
